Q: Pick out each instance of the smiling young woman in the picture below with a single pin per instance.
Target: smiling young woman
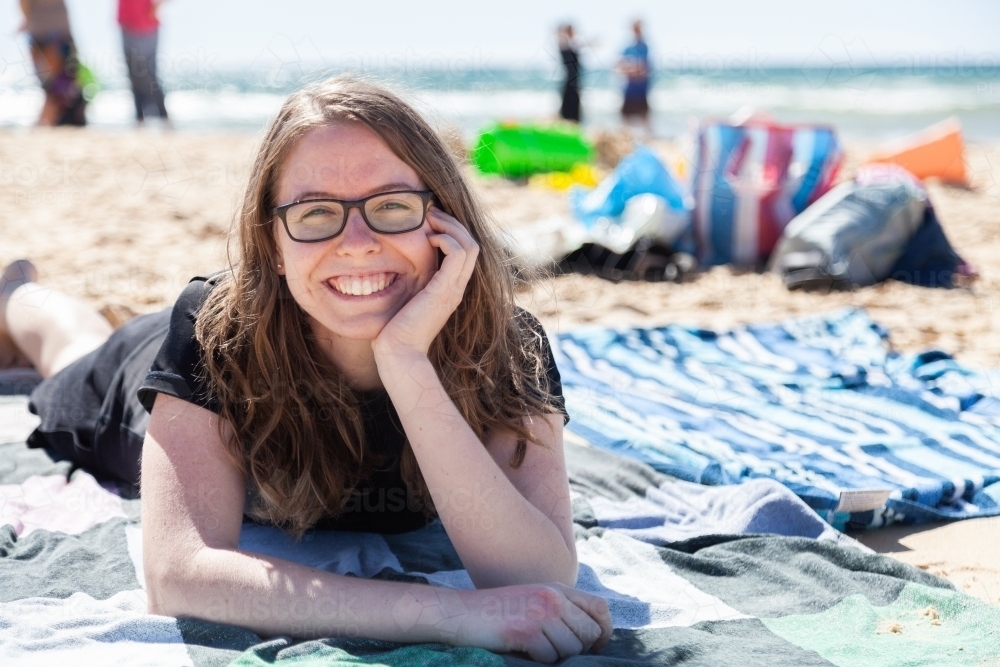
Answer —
(360, 366)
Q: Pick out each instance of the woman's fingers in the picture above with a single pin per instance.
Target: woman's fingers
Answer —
(598, 623)
(441, 222)
(571, 631)
(455, 256)
(447, 243)
(556, 622)
(540, 649)
(584, 627)
(445, 224)
(565, 641)
(458, 261)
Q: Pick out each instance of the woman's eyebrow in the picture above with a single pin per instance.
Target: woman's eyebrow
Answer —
(388, 187)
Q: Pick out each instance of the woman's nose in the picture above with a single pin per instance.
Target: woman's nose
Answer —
(357, 237)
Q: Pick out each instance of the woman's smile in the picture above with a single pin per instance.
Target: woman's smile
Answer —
(364, 286)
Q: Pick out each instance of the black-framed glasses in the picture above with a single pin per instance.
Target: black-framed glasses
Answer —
(316, 220)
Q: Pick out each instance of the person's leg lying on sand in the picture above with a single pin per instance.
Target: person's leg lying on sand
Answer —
(16, 274)
(42, 327)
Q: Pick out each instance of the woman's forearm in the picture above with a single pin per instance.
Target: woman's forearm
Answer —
(271, 597)
(500, 536)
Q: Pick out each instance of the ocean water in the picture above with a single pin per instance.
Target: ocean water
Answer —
(873, 102)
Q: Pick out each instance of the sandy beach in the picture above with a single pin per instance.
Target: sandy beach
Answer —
(124, 219)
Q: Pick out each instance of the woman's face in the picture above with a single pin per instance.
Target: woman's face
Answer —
(349, 161)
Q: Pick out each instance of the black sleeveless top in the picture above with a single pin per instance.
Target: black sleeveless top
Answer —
(381, 502)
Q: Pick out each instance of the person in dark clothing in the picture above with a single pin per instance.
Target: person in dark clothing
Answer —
(570, 54)
(361, 365)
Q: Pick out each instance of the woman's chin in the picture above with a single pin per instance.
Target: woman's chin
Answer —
(355, 318)
(357, 327)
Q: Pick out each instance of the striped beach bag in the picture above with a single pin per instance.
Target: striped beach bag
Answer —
(751, 179)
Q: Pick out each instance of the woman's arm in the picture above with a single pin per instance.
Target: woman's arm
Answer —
(509, 526)
(192, 508)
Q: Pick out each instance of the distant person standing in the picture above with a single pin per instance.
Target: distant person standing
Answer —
(570, 53)
(634, 65)
(53, 53)
(140, 36)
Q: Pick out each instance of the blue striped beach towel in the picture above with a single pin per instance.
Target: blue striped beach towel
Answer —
(865, 436)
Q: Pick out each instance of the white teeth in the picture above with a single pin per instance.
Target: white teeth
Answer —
(362, 285)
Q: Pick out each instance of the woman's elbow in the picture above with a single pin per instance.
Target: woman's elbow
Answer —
(565, 568)
(562, 569)
(165, 585)
(570, 570)
(169, 582)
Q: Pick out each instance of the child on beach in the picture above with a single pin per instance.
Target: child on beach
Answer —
(364, 342)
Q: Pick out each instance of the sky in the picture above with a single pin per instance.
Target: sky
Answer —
(464, 34)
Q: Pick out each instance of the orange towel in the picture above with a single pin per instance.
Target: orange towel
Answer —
(933, 152)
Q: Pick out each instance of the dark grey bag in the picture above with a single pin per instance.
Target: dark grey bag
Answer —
(852, 236)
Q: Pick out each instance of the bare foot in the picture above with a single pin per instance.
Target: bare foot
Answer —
(17, 273)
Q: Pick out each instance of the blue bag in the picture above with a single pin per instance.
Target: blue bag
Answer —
(641, 172)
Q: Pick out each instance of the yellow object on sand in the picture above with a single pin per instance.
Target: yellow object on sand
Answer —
(681, 168)
(580, 174)
(935, 152)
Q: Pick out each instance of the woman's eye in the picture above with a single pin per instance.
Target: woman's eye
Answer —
(317, 212)
(394, 206)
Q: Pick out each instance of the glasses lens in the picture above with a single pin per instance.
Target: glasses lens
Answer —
(395, 212)
(311, 221)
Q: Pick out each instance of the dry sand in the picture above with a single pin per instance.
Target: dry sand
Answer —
(123, 220)
(967, 553)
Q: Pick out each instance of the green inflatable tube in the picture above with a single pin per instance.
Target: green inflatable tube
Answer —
(516, 151)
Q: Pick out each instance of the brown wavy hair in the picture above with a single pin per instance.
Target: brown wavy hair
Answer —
(297, 426)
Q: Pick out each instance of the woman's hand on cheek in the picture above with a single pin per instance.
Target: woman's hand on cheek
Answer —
(413, 329)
